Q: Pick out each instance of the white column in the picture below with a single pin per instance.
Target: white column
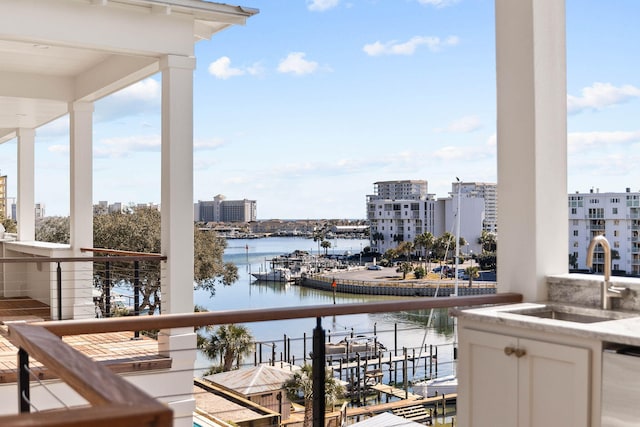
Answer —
(81, 211)
(25, 204)
(177, 226)
(532, 144)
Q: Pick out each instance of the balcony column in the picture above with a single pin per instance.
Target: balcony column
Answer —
(77, 281)
(532, 144)
(25, 205)
(177, 227)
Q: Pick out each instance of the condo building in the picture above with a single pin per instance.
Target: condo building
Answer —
(402, 210)
(617, 217)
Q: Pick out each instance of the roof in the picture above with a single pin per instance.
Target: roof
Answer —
(256, 380)
(386, 419)
(56, 52)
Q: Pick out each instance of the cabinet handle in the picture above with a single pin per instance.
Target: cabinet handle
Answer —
(520, 352)
(509, 351)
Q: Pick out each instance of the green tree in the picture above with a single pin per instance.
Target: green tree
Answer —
(139, 231)
(300, 387)
(405, 248)
(54, 229)
(325, 244)
(473, 272)
(10, 225)
(230, 343)
(444, 244)
(488, 241)
(405, 268)
(573, 260)
(424, 242)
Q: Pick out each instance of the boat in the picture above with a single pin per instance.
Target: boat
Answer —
(278, 274)
(351, 348)
(436, 386)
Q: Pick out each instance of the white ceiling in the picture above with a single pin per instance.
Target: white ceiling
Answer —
(44, 66)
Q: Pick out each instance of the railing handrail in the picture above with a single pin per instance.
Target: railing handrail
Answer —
(128, 258)
(93, 381)
(167, 321)
(119, 252)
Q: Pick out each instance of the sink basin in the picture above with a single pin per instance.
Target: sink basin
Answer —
(570, 313)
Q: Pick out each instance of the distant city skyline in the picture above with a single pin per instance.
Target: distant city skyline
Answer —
(311, 102)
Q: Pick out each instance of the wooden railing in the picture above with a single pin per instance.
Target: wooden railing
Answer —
(117, 403)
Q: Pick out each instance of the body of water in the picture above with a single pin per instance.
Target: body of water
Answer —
(254, 255)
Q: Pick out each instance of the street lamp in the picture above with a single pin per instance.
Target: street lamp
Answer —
(430, 261)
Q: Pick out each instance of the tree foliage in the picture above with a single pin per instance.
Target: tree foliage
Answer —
(300, 386)
(139, 231)
(230, 343)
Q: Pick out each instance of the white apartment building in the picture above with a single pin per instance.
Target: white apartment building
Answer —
(401, 210)
(617, 216)
(486, 191)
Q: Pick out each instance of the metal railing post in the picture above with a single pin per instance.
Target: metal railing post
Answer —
(136, 293)
(59, 290)
(318, 374)
(107, 289)
(23, 382)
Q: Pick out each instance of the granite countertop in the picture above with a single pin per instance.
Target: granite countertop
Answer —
(623, 327)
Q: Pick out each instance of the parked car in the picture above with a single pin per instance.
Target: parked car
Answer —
(374, 267)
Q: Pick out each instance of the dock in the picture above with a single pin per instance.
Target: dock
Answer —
(396, 392)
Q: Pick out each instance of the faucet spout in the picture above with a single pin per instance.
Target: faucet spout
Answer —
(607, 291)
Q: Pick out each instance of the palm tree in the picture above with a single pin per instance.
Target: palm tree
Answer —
(229, 342)
(424, 241)
(405, 267)
(326, 245)
(405, 247)
(473, 272)
(300, 385)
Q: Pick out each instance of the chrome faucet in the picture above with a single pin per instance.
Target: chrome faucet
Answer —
(607, 291)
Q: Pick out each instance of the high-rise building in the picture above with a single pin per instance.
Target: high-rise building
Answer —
(401, 210)
(3, 196)
(221, 210)
(617, 217)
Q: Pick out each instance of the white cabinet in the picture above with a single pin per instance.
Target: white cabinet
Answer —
(507, 380)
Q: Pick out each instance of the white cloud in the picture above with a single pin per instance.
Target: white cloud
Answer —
(221, 69)
(601, 95)
(296, 64)
(123, 146)
(439, 3)
(58, 148)
(434, 44)
(580, 140)
(144, 90)
(462, 125)
(321, 5)
(210, 144)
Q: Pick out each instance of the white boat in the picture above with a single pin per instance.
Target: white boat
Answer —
(275, 275)
(436, 386)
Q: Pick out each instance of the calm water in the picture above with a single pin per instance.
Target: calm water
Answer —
(253, 255)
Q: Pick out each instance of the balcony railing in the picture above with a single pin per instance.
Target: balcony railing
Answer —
(113, 401)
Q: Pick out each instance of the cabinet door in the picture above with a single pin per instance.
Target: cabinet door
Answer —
(554, 385)
(487, 380)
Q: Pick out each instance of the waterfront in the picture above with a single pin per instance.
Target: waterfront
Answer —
(253, 255)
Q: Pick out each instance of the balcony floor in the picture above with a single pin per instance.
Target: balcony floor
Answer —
(117, 350)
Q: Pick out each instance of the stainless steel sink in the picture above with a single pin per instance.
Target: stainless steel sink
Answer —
(570, 313)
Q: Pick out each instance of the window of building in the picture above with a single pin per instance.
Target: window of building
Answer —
(616, 244)
(575, 233)
(574, 211)
(615, 233)
(616, 222)
(614, 211)
(575, 244)
(396, 206)
(615, 200)
(594, 201)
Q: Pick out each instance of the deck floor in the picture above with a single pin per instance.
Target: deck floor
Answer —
(118, 350)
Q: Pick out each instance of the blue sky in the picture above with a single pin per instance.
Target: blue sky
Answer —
(311, 102)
